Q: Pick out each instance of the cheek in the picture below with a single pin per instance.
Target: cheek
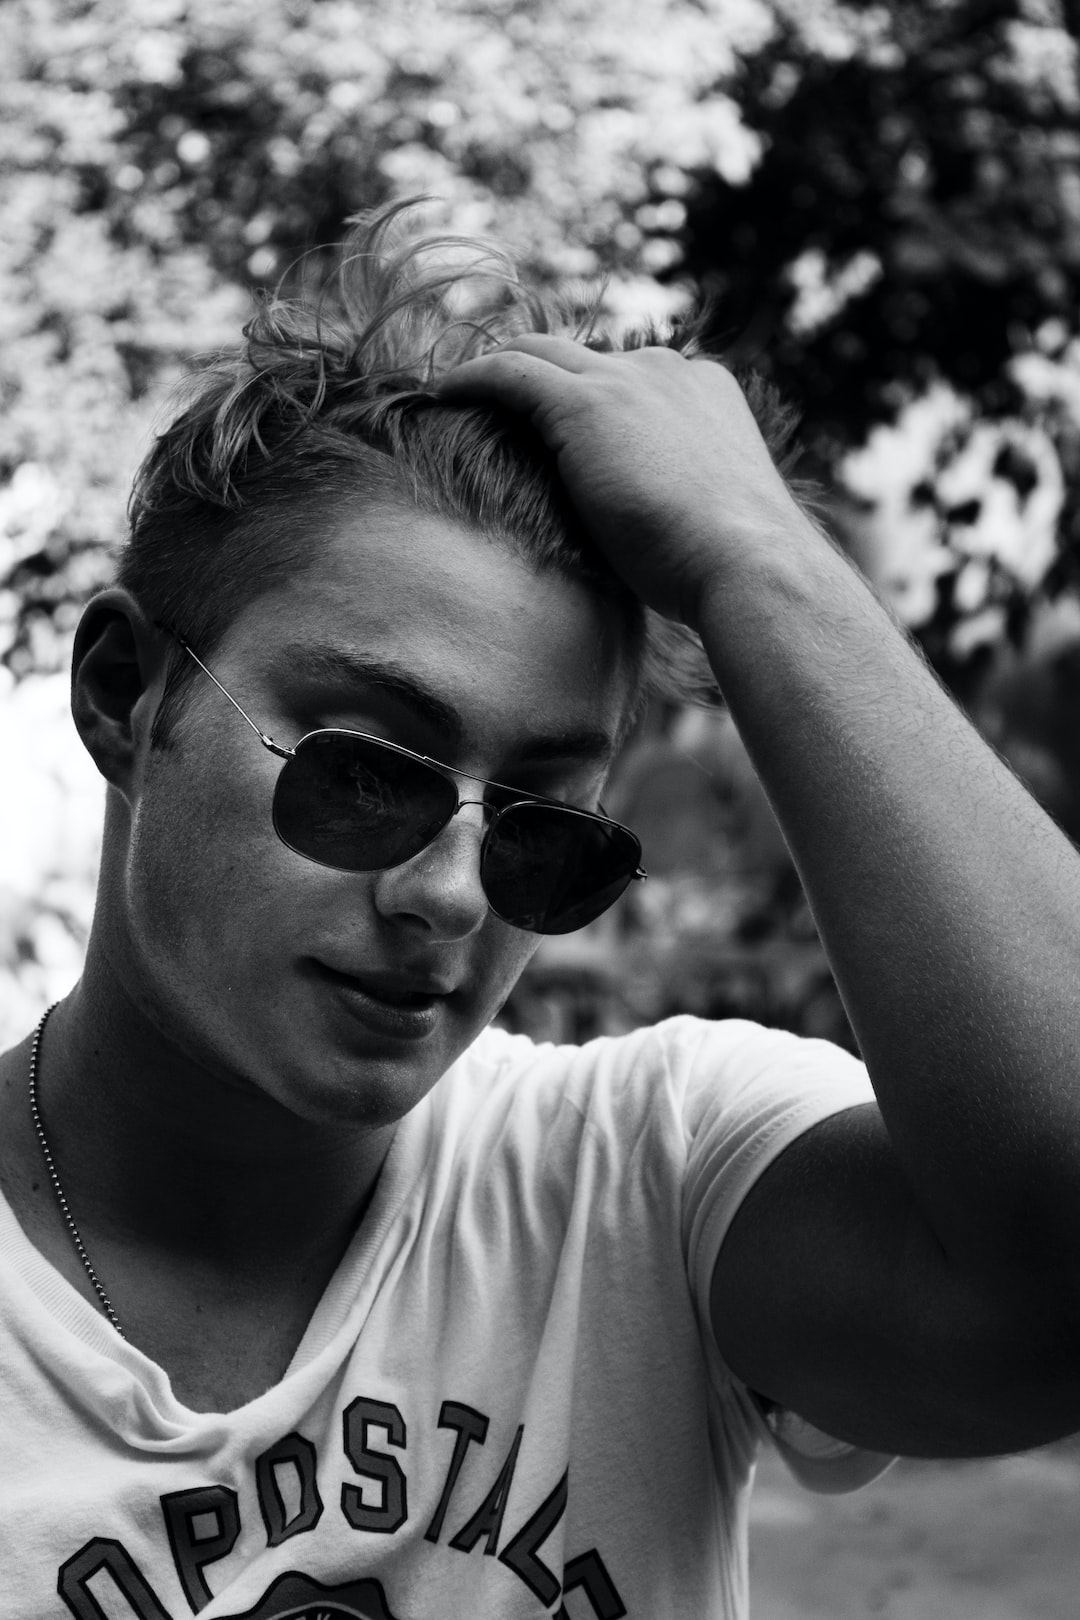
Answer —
(506, 952)
(200, 861)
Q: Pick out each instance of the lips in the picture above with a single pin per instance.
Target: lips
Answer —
(400, 989)
(401, 1004)
(402, 998)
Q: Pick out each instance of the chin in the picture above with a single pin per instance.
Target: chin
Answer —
(368, 1091)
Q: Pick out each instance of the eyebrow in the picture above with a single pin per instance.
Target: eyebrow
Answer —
(335, 665)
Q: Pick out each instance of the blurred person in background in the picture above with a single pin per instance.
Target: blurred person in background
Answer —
(322, 1293)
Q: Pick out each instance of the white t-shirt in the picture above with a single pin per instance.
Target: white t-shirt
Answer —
(507, 1404)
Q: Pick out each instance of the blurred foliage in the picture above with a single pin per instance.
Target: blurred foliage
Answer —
(913, 227)
(157, 157)
(883, 201)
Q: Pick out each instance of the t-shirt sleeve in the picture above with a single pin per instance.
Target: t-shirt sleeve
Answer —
(749, 1092)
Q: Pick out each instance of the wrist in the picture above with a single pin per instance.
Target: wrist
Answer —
(782, 564)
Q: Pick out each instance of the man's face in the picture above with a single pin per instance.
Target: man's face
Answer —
(285, 975)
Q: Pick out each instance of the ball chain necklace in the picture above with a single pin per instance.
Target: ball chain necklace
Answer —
(69, 1221)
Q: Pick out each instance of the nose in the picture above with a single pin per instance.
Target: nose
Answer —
(440, 887)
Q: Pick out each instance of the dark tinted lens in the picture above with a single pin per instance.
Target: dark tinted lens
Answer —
(358, 805)
(552, 870)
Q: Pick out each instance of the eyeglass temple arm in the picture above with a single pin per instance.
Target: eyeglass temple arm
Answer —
(267, 742)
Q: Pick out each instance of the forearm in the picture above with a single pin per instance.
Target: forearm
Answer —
(948, 902)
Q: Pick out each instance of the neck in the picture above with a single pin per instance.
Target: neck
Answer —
(161, 1154)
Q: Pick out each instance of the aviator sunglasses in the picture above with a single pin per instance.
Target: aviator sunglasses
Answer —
(357, 803)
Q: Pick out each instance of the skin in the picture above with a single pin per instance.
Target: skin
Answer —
(219, 1108)
(905, 1276)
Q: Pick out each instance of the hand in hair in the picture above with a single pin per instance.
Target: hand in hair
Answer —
(662, 458)
(907, 1277)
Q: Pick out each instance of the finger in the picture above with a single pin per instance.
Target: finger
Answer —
(572, 354)
(566, 353)
(512, 377)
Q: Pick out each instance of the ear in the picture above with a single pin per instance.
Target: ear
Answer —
(117, 674)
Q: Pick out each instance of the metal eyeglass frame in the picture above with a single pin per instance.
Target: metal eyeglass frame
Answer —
(515, 795)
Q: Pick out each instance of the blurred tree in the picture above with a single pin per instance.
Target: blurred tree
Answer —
(159, 156)
(912, 232)
(883, 199)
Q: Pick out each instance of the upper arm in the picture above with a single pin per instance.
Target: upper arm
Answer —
(832, 1297)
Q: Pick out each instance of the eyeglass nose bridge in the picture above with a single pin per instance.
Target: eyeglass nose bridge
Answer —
(491, 811)
(488, 809)
(492, 814)
(433, 836)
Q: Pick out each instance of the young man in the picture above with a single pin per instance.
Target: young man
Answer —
(320, 1296)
